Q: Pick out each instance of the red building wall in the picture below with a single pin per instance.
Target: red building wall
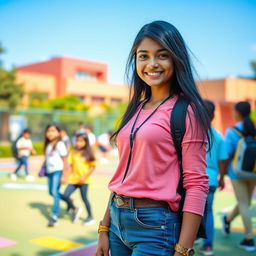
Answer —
(66, 67)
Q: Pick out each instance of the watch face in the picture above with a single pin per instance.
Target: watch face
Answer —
(190, 252)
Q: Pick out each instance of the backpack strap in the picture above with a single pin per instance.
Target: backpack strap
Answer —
(238, 131)
(178, 129)
(178, 124)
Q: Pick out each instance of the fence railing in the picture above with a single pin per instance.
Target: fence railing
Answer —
(37, 119)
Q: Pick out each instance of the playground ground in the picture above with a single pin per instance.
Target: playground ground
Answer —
(25, 208)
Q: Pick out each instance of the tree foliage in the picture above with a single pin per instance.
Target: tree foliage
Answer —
(253, 66)
(68, 102)
(10, 91)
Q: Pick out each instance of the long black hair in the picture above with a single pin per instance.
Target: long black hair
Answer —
(182, 81)
(87, 150)
(46, 140)
(244, 109)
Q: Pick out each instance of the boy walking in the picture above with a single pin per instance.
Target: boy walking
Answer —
(24, 148)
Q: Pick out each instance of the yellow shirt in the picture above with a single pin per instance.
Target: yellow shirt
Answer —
(79, 168)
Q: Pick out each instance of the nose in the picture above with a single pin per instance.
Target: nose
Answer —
(153, 63)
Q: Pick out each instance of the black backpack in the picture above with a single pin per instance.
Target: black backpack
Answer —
(15, 149)
(178, 129)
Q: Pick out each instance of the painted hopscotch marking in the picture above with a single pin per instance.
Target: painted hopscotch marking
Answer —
(87, 250)
(24, 186)
(6, 242)
(56, 243)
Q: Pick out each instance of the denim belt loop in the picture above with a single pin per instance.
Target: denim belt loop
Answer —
(131, 204)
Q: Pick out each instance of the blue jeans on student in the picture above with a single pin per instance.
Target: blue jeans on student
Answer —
(143, 231)
(208, 242)
(54, 187)
(83, 190)
(23, 160)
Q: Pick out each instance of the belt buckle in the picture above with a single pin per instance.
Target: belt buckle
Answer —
(119, 201)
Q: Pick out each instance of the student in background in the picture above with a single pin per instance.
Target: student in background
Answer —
(82, 164)
(91, 135)
(243, 188)
(104, 146)
(65, 138)
(24, 148)
(216, 160)
(56, 166)
(81, 129)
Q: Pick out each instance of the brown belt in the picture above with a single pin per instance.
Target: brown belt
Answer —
(124, 202)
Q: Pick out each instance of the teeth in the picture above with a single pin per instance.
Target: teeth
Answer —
(154, 74)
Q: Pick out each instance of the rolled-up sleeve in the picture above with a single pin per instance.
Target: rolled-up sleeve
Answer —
(195, 179)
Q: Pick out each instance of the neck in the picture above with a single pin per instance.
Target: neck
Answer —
(158, 95)
(54, 141)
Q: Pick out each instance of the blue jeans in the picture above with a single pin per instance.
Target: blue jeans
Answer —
(83, 190)
(143, 231)
(209, 219)
(23, 160)
(54, 187)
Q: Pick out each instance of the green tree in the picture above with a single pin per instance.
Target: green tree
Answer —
(10, 95)
(10, 91)
(253, 66)
(68, 102)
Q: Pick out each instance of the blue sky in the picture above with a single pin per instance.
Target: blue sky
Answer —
(221, 34)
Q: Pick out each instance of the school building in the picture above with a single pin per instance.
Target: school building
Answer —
(225, 93)
(86, 79)
(61, 76)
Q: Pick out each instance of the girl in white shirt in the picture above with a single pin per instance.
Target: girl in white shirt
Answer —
(56, 166)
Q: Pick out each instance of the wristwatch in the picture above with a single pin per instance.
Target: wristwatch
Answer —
(184, 251)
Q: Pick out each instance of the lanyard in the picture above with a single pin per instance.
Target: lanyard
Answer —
(134, 131)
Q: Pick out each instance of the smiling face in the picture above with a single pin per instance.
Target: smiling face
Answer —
(52, 133)
(154, 64)
(80, 143)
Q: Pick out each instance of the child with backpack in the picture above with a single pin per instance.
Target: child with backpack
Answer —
(216, 159)
(56, 167)
(82, 164)
(22, 148)
(243, 188)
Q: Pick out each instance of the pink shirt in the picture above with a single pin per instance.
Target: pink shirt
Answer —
(154, 169)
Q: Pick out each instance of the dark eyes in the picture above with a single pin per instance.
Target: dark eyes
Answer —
(142, 57)
(163, 55)
(160, 56)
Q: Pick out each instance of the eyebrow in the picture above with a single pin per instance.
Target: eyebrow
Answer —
(159, 50)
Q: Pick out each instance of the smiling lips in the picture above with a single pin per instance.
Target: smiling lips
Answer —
(153, 75)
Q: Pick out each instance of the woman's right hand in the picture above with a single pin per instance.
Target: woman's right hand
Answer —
(103, 244)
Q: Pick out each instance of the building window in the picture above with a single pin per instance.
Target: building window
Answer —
(97, 99)
(113, 100)
(83, 75)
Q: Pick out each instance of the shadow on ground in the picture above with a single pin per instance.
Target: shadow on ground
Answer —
(46, 209)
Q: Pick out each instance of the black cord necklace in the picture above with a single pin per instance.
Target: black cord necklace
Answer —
(134, 131)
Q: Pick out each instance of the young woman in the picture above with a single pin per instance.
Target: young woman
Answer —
(56, 166)
(82, 163)
(243, 187)
(141, 218)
